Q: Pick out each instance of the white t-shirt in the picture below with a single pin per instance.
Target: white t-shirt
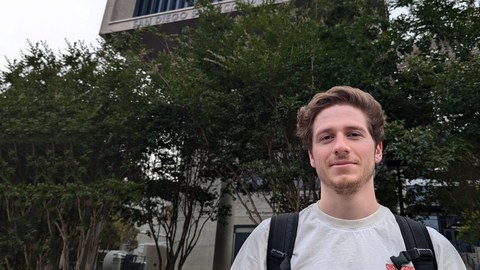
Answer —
(325, 242)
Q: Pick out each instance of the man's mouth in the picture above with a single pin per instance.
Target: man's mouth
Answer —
(342, 163)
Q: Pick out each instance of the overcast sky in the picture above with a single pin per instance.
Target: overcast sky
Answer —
(52, 21)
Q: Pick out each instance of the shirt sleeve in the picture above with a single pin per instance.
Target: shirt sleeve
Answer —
(445, 253)
(253, 253)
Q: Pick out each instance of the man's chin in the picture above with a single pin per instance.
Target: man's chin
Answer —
(346, 187)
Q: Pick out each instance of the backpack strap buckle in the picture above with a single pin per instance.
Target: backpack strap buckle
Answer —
(281, 258)
(411, 255)
(277, 255)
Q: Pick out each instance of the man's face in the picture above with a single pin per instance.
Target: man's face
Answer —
(343, 152)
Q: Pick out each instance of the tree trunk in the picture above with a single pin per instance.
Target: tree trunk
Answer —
(64, 257)
(7, 264)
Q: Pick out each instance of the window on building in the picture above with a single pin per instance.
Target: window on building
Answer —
(145, 7)
(241, 232)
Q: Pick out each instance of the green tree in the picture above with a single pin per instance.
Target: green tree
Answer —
(249, 74)
(181, 192)
(74, 133)
(181, 188)
(437, 78)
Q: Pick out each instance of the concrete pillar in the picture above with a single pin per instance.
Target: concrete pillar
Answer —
(222, 257)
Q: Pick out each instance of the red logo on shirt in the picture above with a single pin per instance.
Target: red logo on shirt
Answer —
(405, 267)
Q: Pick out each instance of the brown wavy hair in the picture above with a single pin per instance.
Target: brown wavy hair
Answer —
(341, 95)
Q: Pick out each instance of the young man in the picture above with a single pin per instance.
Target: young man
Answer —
(343, 130)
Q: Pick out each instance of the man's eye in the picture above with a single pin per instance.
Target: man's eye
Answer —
(355, 134)
(326, 138)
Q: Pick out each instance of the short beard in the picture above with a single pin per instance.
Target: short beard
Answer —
(347, 189)
(350, 188)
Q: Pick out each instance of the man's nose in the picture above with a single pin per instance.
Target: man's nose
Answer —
(341, 145)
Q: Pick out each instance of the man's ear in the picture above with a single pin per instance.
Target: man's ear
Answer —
(312, 160)
(378, 152)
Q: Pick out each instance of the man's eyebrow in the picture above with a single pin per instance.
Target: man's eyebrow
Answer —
(350, 127)
(355, 128)
(347, 128)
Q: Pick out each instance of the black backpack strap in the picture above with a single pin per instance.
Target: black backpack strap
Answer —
(419, 247)
(281, 240)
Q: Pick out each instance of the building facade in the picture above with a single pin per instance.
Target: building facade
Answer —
(170, 15)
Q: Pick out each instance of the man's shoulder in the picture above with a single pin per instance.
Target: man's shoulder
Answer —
(439, 241)
(308, 211)
(446, 254)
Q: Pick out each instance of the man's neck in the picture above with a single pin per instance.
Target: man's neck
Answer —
(356, 206)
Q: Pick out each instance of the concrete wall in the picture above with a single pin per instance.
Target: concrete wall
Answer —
(201, 257)
(214, 249)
